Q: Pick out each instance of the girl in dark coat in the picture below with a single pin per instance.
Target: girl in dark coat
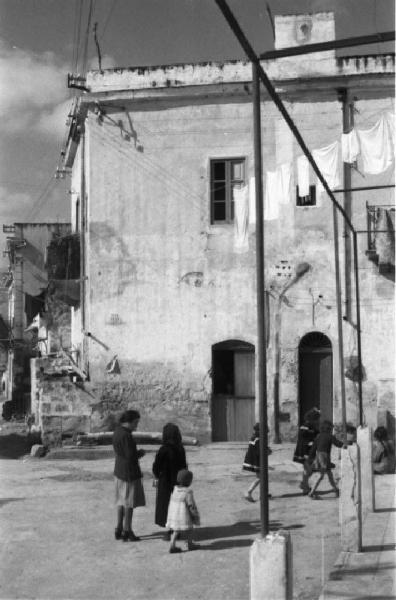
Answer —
(169, 460)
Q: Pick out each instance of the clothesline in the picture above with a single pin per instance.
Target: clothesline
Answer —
(375, 146)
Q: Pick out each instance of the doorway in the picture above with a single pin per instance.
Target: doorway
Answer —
(315, 356)
(233, 398)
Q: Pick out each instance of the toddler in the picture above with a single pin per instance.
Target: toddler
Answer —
(182, 513)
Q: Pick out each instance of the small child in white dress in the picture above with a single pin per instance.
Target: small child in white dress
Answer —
(182, 512)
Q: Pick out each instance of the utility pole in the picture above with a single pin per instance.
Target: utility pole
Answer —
(261, 350)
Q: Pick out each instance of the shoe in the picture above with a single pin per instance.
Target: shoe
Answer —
(167, 536)
(337, 493)
(129, 536)
(174, 550)
(305, 489)
(313, 496)
(193, 546)
(249, 498)
(117, 533)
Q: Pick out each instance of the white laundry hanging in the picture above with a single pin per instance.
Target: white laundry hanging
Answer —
(376, 147)
(252, 201)
(327, 160)
(271, 196)
(241, 219)
(284, 175)
(350, 146)
(390, 118)
(303, 176)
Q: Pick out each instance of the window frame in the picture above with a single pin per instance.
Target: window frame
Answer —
(312, 195)
(229, 217)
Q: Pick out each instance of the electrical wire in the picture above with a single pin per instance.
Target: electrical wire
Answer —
(76, 49)
(108, 19)
(87, 33)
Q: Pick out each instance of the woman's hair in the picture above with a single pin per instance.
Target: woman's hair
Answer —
(326, 427)
(184, 478)
(129, 415)
(381, 434)
(171, 434)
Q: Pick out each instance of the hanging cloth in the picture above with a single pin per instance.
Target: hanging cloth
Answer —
(241, 219)
(252, 201)
(284, 176)
(271, 196)
(327, 161)
(303, 176)
(376, 147)
(350, 146)
(390, 119)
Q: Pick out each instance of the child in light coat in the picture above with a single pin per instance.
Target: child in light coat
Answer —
(182, 513)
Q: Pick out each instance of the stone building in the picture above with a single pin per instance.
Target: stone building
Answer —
(31, 330)
(167, 318)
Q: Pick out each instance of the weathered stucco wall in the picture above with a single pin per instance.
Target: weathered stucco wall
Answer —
(164, 285)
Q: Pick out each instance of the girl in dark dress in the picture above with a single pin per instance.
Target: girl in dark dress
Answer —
(169, 460)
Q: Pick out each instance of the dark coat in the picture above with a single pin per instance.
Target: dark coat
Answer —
(126, 461)
(252, 456)
(169, 460)
(306, 435)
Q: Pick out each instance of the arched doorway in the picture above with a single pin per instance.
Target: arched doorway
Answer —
(315, 357)
(233, 379)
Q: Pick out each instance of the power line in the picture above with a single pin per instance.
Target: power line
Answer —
(108, 19)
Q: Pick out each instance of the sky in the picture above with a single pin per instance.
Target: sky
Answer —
(41, 41)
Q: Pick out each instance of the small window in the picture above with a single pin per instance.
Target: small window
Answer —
(226, 175)
(309, 200)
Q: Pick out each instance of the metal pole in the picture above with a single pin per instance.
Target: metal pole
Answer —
(339, 322)
(343, 96)
(261, 350)
(383, 36)
(358, 332)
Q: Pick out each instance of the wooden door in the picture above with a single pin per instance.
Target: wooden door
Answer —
(316, 382)
(240, 408)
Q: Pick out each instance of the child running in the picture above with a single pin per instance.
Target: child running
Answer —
(252, 461)
(320, 454)
(182, 513)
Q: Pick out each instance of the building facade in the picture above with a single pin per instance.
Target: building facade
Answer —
(160, 158)
(30, 332)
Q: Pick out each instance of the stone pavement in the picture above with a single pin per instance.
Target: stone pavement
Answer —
(57, 523)
(372, 572)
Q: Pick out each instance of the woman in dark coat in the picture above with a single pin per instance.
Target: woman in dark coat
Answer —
(129, 493)
(170, 459)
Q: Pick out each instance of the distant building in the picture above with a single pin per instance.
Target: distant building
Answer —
(160, 159)
(27, 287)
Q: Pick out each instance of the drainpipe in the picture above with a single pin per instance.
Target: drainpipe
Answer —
(301, 269)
